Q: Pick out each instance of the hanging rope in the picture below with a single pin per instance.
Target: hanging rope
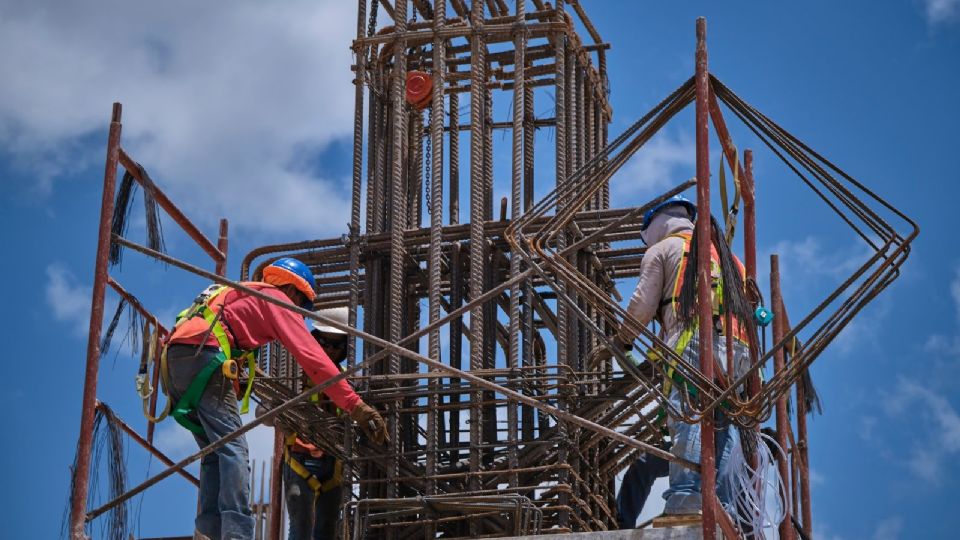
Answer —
(109, 451)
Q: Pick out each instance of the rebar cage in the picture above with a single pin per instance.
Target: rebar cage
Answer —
(481, 338)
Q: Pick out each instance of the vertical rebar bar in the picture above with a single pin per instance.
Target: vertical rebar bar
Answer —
(454, 164)
(519, 93)
(81, 472)
(354, 234)
(561, 113)
(436, 225)
(708, 471)
(477, 214)
(779, 364)
(222, 245)
(397, 221)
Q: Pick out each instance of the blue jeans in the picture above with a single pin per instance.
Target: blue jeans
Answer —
(636, 488)
(225, 473)
(312, 517)
(684, 496)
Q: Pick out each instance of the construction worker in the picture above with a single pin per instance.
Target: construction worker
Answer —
(667, 291)
(312, 478)
(222, 326)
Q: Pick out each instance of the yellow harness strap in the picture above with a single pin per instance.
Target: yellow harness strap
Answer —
(315, 484)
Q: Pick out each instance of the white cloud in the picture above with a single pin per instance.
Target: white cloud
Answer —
(225, 106)
(937, 423)
(806, 259)
(69, 301)
(948, 345)
(867, 426)
(657, 166)
(939, 11)
(817, 479)
(809, 271)
(888, 529)
(822, 530)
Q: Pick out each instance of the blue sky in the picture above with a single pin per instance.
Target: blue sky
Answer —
(243, 111)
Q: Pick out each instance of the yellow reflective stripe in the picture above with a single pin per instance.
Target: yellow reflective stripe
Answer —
(218, 332)
(251, 375)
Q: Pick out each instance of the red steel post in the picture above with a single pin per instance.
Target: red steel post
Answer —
(708, 471)
(222, 248)
(803, 454)
(748, 192)
(779, 364)
(78, 495)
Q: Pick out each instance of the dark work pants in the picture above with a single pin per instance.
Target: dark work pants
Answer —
(636, 487)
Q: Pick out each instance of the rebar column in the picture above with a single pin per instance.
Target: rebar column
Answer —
(397, 225)
(519, 93)
(81, 472)
(563, 327)
(436, 224)
(359, 84)
(779, 364)
(708, 470)
(477, 239)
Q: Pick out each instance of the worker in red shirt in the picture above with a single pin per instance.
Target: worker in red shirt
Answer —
(222, 326)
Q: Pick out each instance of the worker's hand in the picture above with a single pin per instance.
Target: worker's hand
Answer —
(370, 422)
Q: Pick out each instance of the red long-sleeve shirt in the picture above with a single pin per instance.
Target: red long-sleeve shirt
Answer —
(251, 322)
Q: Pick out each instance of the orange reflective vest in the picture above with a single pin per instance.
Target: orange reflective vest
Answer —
(716, 286)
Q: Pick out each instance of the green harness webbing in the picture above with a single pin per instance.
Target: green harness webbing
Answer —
(188, 402)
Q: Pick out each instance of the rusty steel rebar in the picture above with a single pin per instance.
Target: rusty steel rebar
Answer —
(535, 410)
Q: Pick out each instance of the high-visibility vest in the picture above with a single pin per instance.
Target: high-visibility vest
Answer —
(716, 286)
(716, 290)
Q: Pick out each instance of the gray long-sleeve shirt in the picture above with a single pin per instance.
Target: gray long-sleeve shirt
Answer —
(658, 274)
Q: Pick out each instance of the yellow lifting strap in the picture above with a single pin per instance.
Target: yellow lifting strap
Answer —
(730, 212)
(146, 390)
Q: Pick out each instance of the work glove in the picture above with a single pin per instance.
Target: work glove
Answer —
(370, 422)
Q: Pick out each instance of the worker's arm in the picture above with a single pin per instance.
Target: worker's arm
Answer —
(290, 329)
(646, 297)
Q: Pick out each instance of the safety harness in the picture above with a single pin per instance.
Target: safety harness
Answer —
(296, 466)
(315, 484)
(716, 284)
(209, 306)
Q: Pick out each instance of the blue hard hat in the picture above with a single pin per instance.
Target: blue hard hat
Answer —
(676, 200)
(288, 270)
